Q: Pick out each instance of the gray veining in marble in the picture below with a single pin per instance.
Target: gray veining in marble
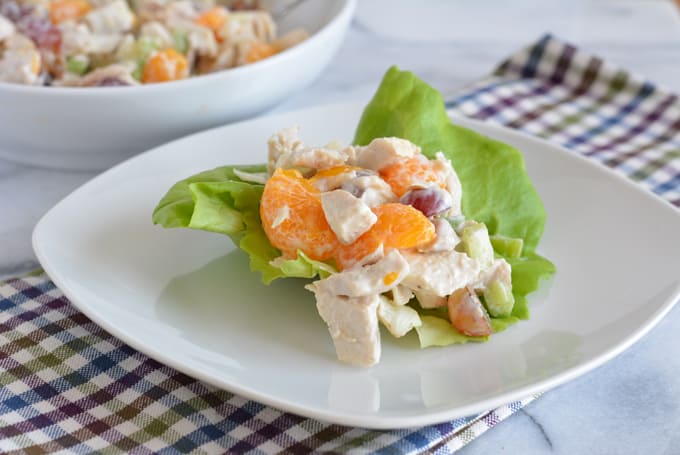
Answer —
(629, 405)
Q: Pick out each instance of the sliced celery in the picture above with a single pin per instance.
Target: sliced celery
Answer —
(475, 238)
(146, 46)
(508, 247)
(399, 319)
(77, 64)
(180, 41)
(498, 299)
(137, 71)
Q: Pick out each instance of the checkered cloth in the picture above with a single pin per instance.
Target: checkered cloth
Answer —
(66, 385)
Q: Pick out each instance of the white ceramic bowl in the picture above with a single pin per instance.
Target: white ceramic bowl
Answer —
(93, 128)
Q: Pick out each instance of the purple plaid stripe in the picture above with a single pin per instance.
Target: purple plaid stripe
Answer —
(86, 391)
(584, 104)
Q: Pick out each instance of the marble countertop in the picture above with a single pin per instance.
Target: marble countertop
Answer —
(629, 405)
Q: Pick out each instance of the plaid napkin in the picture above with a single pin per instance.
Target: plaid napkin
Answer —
(67, 385)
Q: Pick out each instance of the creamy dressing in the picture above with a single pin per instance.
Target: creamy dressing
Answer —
(353, 182)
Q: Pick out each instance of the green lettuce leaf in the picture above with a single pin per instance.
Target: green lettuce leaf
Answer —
(496, 191)
(496, 187)
(435, 331)
(218, 201)
(179, 205)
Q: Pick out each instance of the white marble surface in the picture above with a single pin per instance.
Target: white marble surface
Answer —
(629, 405)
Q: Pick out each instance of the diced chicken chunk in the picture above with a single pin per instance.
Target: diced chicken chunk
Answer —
(371, 189)
(312, 158)
(353, 325)
(6, 28)
(440, 273)
(178, 13)
(367, 280)
(446, 239)
(77, 39)
(225, 59)
(20, 62)
(498, 270)
(429, 300)
(115, 17)
(248, 26)
(116, 74)
(383, 152)
(201, 40)
(286, 151)
(347, 215)
(157, 31)
(284, 142)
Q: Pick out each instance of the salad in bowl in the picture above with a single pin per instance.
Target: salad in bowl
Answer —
(420, 225)
(87, 81)
(95, 43)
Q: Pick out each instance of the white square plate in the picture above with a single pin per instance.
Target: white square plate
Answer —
(188, 299)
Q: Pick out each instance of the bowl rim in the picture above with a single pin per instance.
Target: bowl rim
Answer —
(343, 15)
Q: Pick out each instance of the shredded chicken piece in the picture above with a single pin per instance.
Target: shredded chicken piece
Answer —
(440, 273)
(116, 74)
(158, 32)
(353, 325)
(248, 26)
(6, 28)
(284, 142)
(115, 17)
(429, 300)
(383, 152)
(20, 62)
(201, 41)
(371, 189)
(498, 270)
(347, 215)
(79, 39)
(367, 280)
(286, 151)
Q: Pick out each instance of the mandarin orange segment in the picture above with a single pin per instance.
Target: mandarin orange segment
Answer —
(398, 226)
(403, 226)
(402, 174)
(164, 66)
(293, 218)
(213, 19)
(63, 10)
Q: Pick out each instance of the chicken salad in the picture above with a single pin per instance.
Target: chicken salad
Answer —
(393, 233)
(131, 42)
